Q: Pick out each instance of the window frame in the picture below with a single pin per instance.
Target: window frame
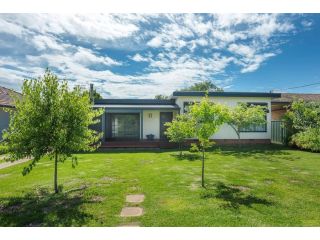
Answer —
(266, 104)
(188, 104)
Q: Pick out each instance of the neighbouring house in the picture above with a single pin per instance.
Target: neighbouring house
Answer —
(280, 104)
(140, 122)
(6, 101)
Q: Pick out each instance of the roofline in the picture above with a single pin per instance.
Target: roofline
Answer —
(285, 102)
(225, 94)
(6, 106)
(12, 90)
(123, 101)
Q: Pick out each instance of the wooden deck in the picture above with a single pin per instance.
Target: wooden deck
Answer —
(138, 144)
(165, 144)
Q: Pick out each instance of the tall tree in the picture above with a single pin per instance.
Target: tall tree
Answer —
(96, 95)
(207, 118)
(161, 97)
(243, 116)
(179, 130)
(204, 86)
(51, 120)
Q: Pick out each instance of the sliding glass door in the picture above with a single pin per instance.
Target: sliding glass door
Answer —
(122, 126)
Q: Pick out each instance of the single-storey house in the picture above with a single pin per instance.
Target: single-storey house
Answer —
(141, 122)
(6, 102)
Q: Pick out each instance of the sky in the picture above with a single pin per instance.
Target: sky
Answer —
(142, 55)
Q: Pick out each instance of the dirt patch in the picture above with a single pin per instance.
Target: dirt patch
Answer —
(143, 162)
(4, 175)
(241, 188)
(294, 181)
(268, 181)
(107, 179)
(97, 199)
(194, 186)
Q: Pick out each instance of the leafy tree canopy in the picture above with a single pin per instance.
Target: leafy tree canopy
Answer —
(244, 115)
(207, 118)
(51, 120)
(204, 86)
(180, 129)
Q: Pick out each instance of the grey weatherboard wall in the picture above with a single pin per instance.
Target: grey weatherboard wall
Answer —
(4, 121)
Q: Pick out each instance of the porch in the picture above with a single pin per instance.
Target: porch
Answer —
(135, 122)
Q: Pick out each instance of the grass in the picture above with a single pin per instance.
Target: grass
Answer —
(257, 186)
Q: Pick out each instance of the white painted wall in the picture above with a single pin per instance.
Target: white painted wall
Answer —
(151, 125)
(226, 132)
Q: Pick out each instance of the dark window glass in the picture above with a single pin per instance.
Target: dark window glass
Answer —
(186, 106)
(125, 126)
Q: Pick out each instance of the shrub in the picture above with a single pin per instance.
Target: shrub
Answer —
(308, 139)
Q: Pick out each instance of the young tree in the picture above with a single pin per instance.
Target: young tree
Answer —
(204, 86)
(179, 130)
(207, 118)
(51, 120)
(244, 115)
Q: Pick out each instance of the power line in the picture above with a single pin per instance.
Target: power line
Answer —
(301, 86)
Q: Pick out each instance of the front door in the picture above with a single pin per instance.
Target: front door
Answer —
(164, 117)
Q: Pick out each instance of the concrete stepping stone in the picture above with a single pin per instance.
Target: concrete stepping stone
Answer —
(132, 224)
(135, 198)
(131, 212)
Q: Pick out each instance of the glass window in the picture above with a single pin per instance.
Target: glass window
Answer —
(257, 127)
(186, 106)
(125, 126)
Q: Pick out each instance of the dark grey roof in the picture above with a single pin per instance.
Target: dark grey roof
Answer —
(290, 97)
(225, 94)
(6, 97)
(134, 102)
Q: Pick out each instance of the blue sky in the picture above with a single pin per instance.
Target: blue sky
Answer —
(139, 56)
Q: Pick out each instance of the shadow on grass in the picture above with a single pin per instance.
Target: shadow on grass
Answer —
(270, 153)
(186, 156)
(233, 196)
(42, 208)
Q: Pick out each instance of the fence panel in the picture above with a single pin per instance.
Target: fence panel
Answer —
(278, 132)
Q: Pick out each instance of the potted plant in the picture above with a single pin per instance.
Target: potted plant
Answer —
(150, 137)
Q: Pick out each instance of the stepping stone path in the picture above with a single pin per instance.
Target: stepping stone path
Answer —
(130, 211)
(136, 198)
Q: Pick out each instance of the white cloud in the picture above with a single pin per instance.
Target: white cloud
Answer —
(138, 58)
(98, 26)
(180, 49)
(11, 28)
(306, 23)
(252, 64)
(86, 57)
(42, 42)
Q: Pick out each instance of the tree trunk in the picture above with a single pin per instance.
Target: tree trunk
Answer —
(180, 149)
(202, 175)
(56, 190)
(239, 142)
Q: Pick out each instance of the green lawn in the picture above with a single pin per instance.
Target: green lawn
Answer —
(258, 186)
